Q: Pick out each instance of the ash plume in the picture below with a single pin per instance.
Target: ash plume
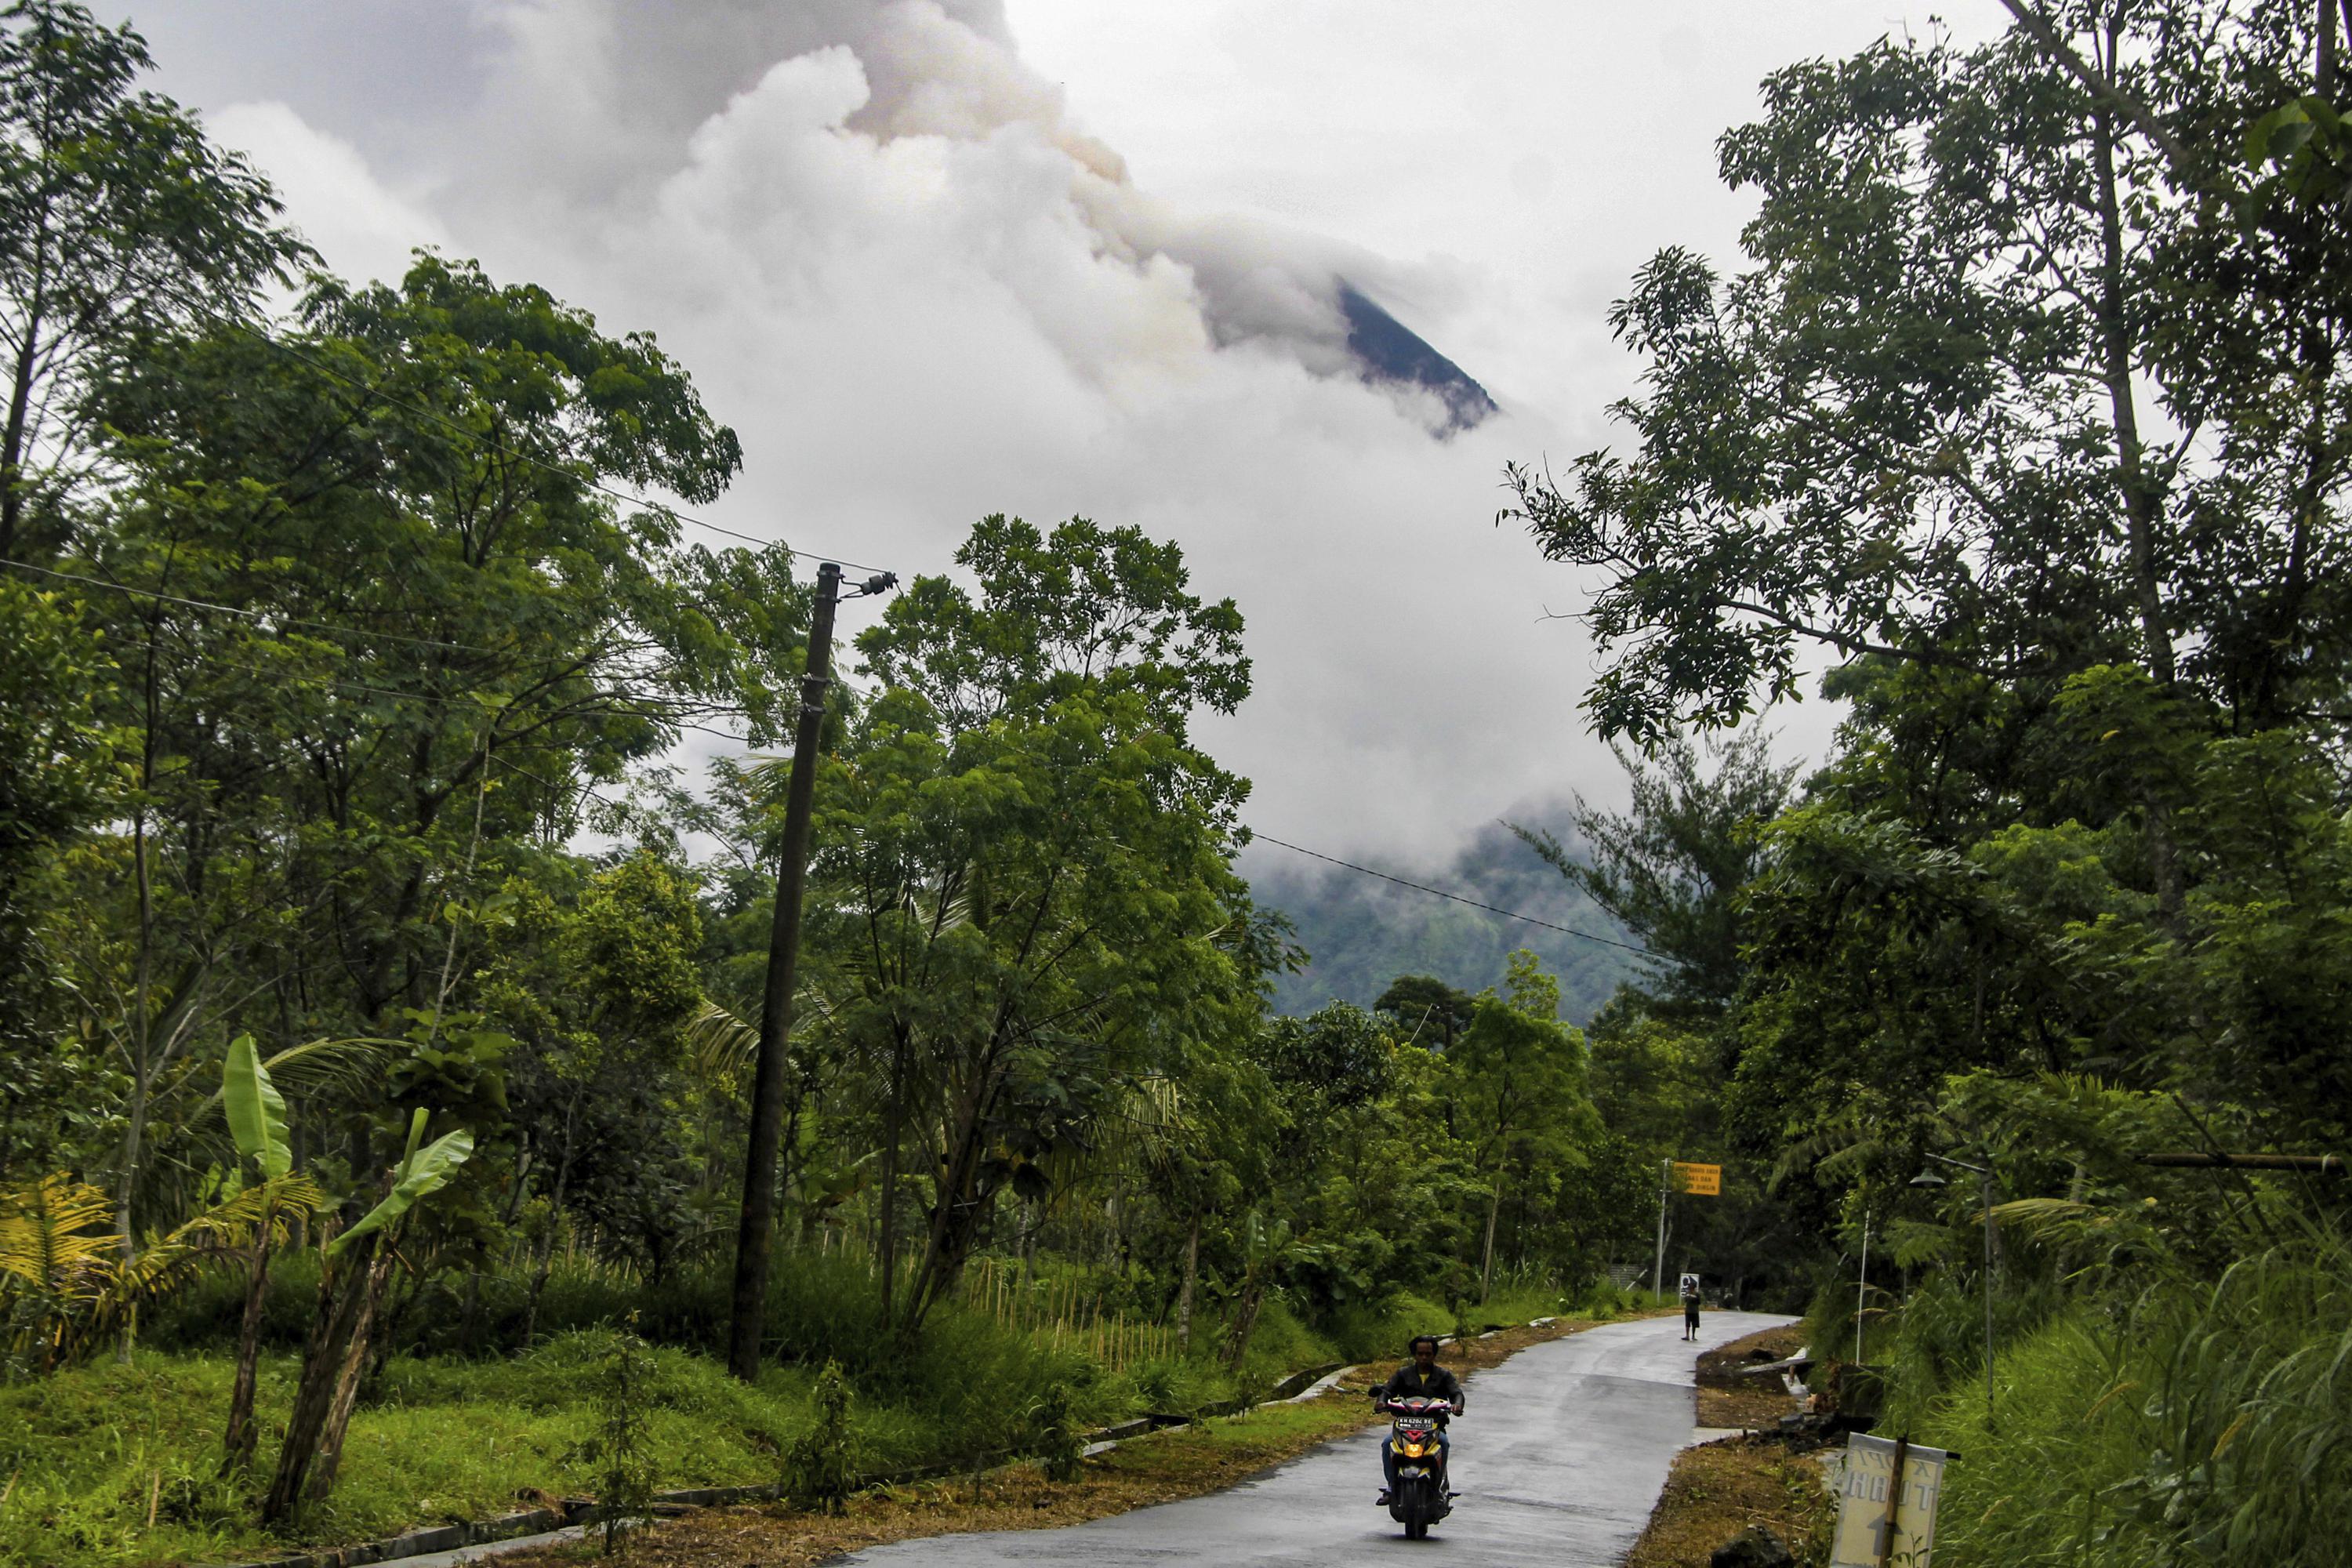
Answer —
(950, 69)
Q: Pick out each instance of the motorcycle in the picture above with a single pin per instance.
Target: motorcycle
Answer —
(1421, 1496)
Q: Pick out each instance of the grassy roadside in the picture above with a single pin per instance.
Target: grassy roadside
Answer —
(112, 1465)
(1718, 1489)
(1181, 1463)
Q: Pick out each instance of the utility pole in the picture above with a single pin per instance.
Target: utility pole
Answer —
(757, 1229)
(1862, 1288)
(1984, 1177)
(1665, 1184)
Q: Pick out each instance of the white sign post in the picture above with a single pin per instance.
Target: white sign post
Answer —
(1887, 1506)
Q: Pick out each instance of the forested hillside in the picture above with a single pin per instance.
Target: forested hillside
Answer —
(1360, 932)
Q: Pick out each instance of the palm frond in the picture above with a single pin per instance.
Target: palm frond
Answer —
(56, 1236)
(345, 1064)
(224, 1230)
(719, 1043)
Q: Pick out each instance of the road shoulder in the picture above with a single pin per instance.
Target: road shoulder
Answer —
(1166, 1466)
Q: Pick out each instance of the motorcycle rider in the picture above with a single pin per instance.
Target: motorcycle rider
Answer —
(1420, 1378)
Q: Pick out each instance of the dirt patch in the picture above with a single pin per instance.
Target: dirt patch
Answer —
(1727, 1400)
(1718, 1490)
(1180, 1463)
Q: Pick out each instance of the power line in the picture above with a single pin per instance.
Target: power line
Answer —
(1440, 892)
(482, 441)
(249, 614)
(344, 684)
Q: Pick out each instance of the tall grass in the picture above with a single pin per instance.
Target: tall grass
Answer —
(2206, 1423)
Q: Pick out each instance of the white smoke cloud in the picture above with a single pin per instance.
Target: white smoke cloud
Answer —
(593, 100)
(900, 264)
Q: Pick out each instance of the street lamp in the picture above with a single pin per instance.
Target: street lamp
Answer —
(1928, 1178)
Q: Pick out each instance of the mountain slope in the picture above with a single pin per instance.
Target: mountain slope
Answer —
(1362, 932)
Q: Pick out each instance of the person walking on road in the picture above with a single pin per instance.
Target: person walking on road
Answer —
(1690, 1306)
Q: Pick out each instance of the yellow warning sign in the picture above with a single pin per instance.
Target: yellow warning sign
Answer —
(1701, 1181)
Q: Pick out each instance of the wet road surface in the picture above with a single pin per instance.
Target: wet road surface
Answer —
(1559, 1462)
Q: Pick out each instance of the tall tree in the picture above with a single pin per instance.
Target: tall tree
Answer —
(1672, 866)
(2029, 373)
(1023, 865)
(382, 627)
(120, 223)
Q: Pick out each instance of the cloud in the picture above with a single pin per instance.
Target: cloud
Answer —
(357, 224)
(923, 290)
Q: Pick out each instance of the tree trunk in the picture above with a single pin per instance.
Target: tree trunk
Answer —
(1237, 1337)
(337, 1341)
(15, 438)
(347, 1383)
(2143, 508)
(238, 1440)
(1487, 1265)
(1191, 1283)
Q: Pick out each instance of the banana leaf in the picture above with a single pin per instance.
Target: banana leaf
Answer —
(422, 1172)
(257, 1111)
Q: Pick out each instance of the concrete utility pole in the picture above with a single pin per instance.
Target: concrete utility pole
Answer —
(1666, 1186)
(757, 1228)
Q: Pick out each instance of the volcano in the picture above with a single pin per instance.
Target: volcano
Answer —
(1389, 352)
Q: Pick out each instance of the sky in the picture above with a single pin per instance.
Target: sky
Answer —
(938, 259)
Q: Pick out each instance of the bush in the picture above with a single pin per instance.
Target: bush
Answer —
(823, 1467)
(2206, 1423)
(1056, 1436)
(624, 1475)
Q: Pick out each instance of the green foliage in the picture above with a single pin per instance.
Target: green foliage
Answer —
(1672, 869)
(822, 1468)
(625, 1476)
(1056, 1434)
(2204, 1422)
(421, 1173)
(125, 223)
(1903, 433)
(257, 1111)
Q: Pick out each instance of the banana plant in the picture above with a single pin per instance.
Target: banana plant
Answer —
(255, 1113)
(358, 1268)
(421, 1171)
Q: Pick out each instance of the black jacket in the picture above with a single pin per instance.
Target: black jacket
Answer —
(1407, 1383)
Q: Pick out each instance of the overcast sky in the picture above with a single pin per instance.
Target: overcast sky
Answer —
(934, 261)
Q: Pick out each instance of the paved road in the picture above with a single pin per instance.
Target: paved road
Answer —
(1559, 1460)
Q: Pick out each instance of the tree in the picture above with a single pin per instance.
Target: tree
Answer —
(389, 634)
(1022, 866)
(1519, 1092)
(1428, 1010)
(51, 671)
(1672, 869)
(2013, 387)
(598, 988)
(120, 223)
(359, 1263)
(256, 1113)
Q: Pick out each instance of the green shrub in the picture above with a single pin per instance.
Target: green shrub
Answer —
(1054, 1434)
(625, 1474)
(2199, 1424)
(823, 1468)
